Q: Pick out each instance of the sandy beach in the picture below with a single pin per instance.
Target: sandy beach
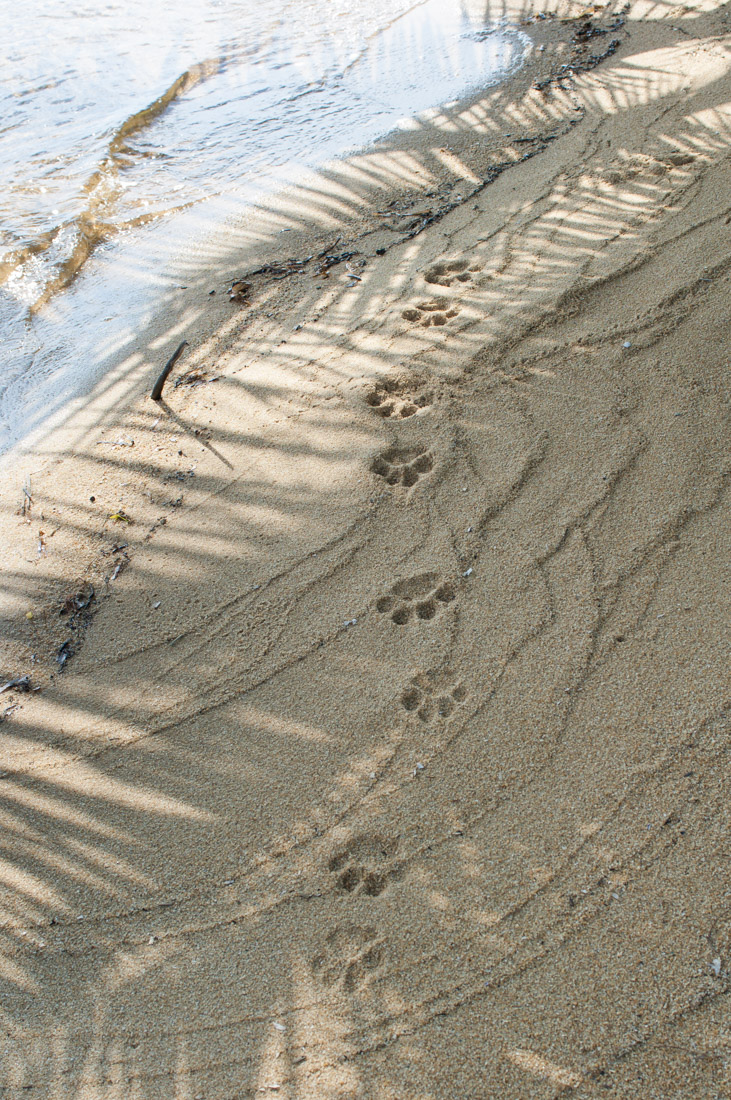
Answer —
(367, 733)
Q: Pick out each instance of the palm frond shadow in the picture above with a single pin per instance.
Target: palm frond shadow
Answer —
(177, 797)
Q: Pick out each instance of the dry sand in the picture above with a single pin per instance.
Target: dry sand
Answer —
(390, 758)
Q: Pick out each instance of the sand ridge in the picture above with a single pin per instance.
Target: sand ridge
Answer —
(391, 756)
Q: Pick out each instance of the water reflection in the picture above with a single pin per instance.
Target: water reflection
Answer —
(122, 115)
(119, 119)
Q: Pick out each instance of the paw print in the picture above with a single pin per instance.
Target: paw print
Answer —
(349, 957)
(402, 465)
(420, 595)
(451, 271)
(364, 865)
(437, 311)
(429, 697)
(392, 398)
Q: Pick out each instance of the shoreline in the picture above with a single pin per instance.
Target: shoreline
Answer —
(348, 190)
(51, 347)
(378, 683)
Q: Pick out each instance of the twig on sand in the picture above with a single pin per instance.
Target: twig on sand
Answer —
(21, 684)
(27, 499)
(157, 388)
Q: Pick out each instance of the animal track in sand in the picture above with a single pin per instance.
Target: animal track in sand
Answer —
(402, 465)
(364, 866)
(431, 697)
(451, 271)
(437, 311)
(397, 399)
(349, 956)
(420, 595)
(645, 165)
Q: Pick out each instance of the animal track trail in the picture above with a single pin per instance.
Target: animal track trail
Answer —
(436, 311)
(397, 399)
(451, 271)
(403, 465)
(419, 596)
(350, 955)
(364, 865)
(431, 697)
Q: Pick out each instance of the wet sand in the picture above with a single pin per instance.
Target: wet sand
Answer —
(389, 757)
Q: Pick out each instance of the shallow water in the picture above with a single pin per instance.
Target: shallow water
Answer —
(122, 117)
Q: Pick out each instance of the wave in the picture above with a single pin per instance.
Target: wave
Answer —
(78, 238)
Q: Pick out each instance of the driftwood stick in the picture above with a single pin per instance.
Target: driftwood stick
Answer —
(157, 388)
